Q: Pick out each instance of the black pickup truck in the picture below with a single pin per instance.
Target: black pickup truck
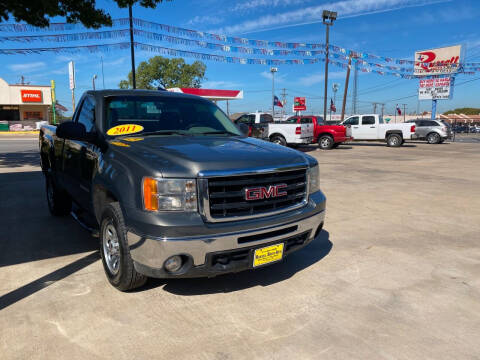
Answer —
(176, 189)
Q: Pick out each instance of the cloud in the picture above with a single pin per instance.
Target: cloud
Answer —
(207, 19)
(278, 77)
(313, 14)
(254, 4)
(220, 85)
(27, 67)
(316, 78)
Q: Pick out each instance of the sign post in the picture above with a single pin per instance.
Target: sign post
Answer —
(54, 115)
(71, 77)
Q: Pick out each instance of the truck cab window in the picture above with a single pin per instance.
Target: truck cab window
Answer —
(306, 121)
(352, 121)
(266, 118)
(87, 114)
(368, 120)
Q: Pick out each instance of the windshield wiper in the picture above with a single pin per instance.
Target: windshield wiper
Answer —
(218, 132)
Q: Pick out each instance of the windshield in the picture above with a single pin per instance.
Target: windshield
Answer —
(168, 115)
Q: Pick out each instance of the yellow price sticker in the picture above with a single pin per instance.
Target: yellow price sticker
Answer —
(124, 129)
(132, 139)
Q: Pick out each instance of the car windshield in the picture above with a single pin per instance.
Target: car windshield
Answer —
(166, 115)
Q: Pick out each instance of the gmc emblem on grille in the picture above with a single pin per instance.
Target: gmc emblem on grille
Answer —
(263, 192)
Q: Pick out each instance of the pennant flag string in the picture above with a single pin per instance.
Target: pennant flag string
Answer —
(319, 48)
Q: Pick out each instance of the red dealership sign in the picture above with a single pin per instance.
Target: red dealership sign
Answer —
(31, 96)
(299, 104)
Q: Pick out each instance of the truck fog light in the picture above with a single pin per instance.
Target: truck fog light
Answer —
(173, 263)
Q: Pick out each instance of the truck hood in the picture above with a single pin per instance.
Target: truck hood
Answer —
(178, 156)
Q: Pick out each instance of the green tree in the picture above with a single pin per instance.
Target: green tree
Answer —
(466, 111)
(168, 73)
(39, 12)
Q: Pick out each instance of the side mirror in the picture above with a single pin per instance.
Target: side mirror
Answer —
(243, 128)
(72, 131)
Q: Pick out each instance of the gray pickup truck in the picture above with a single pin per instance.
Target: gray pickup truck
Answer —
(175, 189)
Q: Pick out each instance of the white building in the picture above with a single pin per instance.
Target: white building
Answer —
(24, 103)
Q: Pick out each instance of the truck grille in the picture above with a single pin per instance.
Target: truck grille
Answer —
(227, 194)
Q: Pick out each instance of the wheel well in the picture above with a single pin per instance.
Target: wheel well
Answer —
(433, 132)
(276, 134)
(394, 132)
(101, 197)
(325, 134)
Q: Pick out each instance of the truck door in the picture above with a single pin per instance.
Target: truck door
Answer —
(352, 122)
(367, 129)
(81, 157)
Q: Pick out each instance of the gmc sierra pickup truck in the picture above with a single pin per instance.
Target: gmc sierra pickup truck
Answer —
(176, 189)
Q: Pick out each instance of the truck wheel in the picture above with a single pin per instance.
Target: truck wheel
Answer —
(59, 202)
(433, 138)
(116, 259)
(280, 140)
(394, 140)
(325, 142)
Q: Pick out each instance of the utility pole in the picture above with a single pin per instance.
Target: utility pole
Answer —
(93, 81)
(374, 107)
(273, 70)
(383, 107)
(355, 87)
(345, 91)
(404, 105)
(132, 50)
(284, 101)
(328, 17)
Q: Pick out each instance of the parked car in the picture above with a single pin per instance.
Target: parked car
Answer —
(176, 189)
(326, 136)
(282, 133)
(371, 127)
(434, 131)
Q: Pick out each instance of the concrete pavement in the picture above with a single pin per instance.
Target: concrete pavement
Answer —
(396, 274)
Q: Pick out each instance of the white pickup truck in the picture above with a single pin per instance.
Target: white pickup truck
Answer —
(371, 127)
(261, 125)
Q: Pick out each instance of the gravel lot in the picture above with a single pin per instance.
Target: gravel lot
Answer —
(396, 274)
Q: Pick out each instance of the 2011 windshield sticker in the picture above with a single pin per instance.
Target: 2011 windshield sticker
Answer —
(124, 129)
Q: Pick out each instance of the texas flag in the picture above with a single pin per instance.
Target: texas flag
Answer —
(399, 111)
(277, 102)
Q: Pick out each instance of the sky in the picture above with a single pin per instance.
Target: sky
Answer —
(392, 28)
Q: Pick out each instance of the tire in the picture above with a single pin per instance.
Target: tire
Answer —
(394, 140)
(116, 259)
(325, 142)
(433, 138)
(279, 139)
(59, 202)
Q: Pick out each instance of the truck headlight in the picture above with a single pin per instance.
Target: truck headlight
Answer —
(170, 194)
(313, 179)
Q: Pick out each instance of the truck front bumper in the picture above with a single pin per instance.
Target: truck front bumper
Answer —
(231, 251)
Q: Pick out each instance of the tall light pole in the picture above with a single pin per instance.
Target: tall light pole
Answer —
(273, 70)
(93, 81)
(328, 18)
(132, 50)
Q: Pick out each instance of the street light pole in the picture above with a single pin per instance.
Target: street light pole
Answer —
(273, 70)
(328, 18)
(93, 81)
(132, 50)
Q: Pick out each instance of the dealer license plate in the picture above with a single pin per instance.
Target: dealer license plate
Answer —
(268, 254)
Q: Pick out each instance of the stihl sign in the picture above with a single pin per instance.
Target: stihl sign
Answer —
(31, 96)
(437, 61)
(263, 192)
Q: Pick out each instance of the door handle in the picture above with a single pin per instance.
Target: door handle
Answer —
(355, 127)
(372, 127)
